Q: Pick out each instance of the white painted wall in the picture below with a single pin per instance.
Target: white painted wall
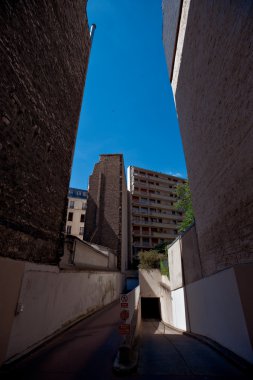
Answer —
(215, 311)
(178, 309)
(175, 265)
(52, 299)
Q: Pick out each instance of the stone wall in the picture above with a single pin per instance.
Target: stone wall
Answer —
(44, 50)
(212, 93)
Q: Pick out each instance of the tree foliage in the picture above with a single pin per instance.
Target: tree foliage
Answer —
(184, 204)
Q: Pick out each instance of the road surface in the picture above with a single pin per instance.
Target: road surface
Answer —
(88, 349)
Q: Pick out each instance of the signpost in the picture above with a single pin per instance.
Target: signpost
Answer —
(124, 314)
(124, 301)
(124, 329)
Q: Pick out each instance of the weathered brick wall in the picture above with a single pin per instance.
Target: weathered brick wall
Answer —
(213, 99)
(44, 49)
(103, 221)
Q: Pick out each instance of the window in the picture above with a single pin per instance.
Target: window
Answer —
(71, 204)
(70, 216)
(83, 206)
(82, 218)
(68, 230)
(81, 231)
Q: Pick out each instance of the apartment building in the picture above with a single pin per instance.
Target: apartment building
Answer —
(106, 221)
(77, 203)
(153, 217)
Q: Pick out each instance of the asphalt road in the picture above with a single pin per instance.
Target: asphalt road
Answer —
(88, 349)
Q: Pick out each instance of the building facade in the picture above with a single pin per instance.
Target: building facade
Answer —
(153, 217)
(39, 116)
(106, 221)
(208, 48)
(77, 204)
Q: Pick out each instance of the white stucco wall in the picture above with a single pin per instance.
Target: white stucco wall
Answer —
(52, 299)
(178, 309)
(215, 311)
(175, 265)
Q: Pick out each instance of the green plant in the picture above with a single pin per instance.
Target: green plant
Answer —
(164, 268)
(151, 259)
(184, 204)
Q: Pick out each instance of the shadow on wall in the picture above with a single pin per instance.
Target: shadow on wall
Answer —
(98, 230)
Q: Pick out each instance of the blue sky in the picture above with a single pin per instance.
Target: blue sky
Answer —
(128, 105)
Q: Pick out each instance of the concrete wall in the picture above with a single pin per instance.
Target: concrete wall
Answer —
(49, 299)
(172, 303)
(175, 265)
(80, 254)
(172, 10)
(11, 273)
(44, 56)
(178, 309)
(166, 301)
(212, 84)
(218, 306)
(216, 311)
(150, 282)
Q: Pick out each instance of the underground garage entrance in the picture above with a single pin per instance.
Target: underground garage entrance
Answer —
(150, 308)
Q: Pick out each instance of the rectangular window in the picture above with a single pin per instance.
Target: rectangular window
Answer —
(71, 204)
(81, 231)
(82, 218)
(70, 216)
(68, 230)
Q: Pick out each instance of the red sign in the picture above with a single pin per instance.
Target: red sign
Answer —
(124, 329)
(123, 298)
(124, 315)
(124, 301)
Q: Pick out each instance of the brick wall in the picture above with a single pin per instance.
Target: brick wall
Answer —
(213, 96)
(44, 49)
(105, 208)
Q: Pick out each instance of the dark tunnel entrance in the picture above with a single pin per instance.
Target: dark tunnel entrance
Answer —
(150, 308)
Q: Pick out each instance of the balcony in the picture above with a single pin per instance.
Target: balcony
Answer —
(158, 179)
(157, 224)
(168, 235)
(142, 245)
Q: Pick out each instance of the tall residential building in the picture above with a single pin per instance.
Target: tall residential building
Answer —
(106, 221)
(77, 204)
(154, 219)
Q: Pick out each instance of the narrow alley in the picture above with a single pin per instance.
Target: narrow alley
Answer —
(87, 351)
